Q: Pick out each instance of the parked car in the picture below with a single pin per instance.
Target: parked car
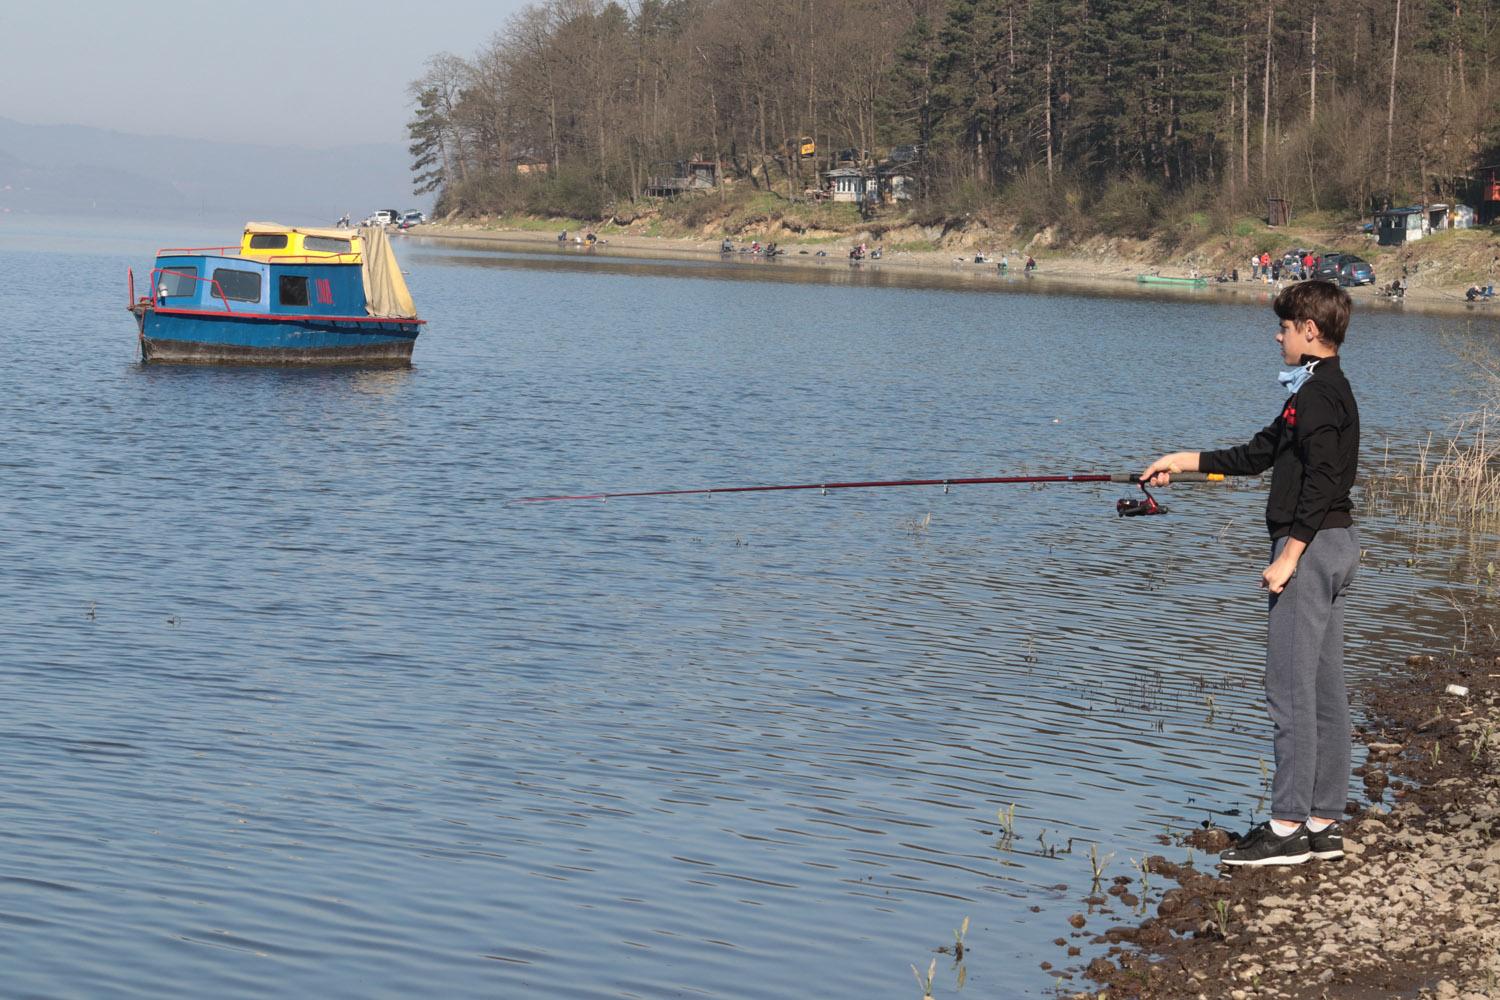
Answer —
(1355, 271)
(1328, 266)
(383, 217)
(412, 218)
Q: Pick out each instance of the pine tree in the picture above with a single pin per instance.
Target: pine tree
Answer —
(429, 160)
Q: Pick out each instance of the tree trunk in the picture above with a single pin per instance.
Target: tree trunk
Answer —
(1047, 98)
(1265, 104)
(1390, 111)
(1245, 112)
(1312, 90)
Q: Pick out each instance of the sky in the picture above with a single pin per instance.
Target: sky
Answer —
(313, 73)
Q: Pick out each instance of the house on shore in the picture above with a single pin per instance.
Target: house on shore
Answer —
(1396, 227)
(683, 176)
(847, 184)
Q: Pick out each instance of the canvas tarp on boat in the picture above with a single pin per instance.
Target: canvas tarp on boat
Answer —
(385, 290)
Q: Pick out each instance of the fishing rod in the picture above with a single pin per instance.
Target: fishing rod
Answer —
(1125, 508)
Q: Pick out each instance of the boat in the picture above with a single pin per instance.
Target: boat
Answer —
(1161, 279)
(284, 295)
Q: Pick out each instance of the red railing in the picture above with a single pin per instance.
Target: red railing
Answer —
(289, 317)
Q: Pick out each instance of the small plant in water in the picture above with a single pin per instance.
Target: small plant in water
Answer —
(1007, 817)
(1143, 869)
(958, 940)
(925, 984)
(1208, 700)
(1098, 864)
(1265, 776)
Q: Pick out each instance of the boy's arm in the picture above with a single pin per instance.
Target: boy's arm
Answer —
(1249, 459)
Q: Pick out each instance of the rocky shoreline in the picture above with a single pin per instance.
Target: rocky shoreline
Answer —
(1057, 270)
(1413, 910)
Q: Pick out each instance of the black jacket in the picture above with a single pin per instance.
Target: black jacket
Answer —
(1312, 450)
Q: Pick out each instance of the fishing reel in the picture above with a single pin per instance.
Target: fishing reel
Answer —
(1131, 507)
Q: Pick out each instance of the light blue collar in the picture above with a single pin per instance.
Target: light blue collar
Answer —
(1297, 377)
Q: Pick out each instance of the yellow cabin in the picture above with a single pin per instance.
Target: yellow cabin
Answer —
(269, 241)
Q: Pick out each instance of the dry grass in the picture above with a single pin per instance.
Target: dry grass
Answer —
(1459, 480)
(1455, 480)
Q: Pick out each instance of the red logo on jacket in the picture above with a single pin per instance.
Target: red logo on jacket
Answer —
(1289, 415)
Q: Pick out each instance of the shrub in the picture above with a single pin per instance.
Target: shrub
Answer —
(1128, 207)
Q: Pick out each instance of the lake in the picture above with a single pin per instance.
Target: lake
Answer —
(298, 701)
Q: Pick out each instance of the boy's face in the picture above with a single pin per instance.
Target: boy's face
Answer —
(1295, 337)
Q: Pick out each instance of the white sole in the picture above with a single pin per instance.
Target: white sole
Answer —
(1328, 855)
(1285, 859)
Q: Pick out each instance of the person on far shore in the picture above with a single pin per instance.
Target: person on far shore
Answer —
(1312, 450)
(1254, 266)
(1265, 265)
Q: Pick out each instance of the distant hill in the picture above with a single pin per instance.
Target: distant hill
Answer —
(73, 169)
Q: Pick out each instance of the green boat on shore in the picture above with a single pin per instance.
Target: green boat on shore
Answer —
(1161, 279)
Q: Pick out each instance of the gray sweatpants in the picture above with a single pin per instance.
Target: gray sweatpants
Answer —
(1305, 691)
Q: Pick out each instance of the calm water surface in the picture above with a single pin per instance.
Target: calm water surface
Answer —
(297, 701)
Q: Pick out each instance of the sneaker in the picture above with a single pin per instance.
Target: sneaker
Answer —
(1261, 846)
(1327, 844)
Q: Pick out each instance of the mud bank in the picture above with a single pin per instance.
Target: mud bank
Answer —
(1413, 910)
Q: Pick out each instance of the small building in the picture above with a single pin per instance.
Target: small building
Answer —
(848, 184)
(1278, 211)
(896, 183)
(1395, 227)
(530, 164)
(1489, 199)
(1441, 216)
(683, 176)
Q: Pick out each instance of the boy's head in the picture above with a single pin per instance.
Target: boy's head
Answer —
(1318, 314)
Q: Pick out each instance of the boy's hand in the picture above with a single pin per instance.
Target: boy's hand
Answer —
(1159, 472)
(1275, 577)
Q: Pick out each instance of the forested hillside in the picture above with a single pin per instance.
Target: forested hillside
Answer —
(1111, 114)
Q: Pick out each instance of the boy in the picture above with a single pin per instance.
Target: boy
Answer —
(1312, 448)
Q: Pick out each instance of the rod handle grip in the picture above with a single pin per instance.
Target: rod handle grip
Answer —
(1177, 477)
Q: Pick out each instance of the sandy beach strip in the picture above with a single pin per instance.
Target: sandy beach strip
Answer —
(1056, 272)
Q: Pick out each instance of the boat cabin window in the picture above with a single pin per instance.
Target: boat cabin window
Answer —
(178, 281)
(293, 289)
(325, 244)
(268, 241)
(242, 286)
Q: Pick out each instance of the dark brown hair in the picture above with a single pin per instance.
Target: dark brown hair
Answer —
(1323, 302)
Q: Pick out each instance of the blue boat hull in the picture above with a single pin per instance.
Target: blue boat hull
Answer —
(194, 338)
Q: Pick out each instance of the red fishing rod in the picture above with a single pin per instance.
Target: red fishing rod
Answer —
(1125, 508)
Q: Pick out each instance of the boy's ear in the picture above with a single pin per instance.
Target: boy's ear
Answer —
(1309, 329)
